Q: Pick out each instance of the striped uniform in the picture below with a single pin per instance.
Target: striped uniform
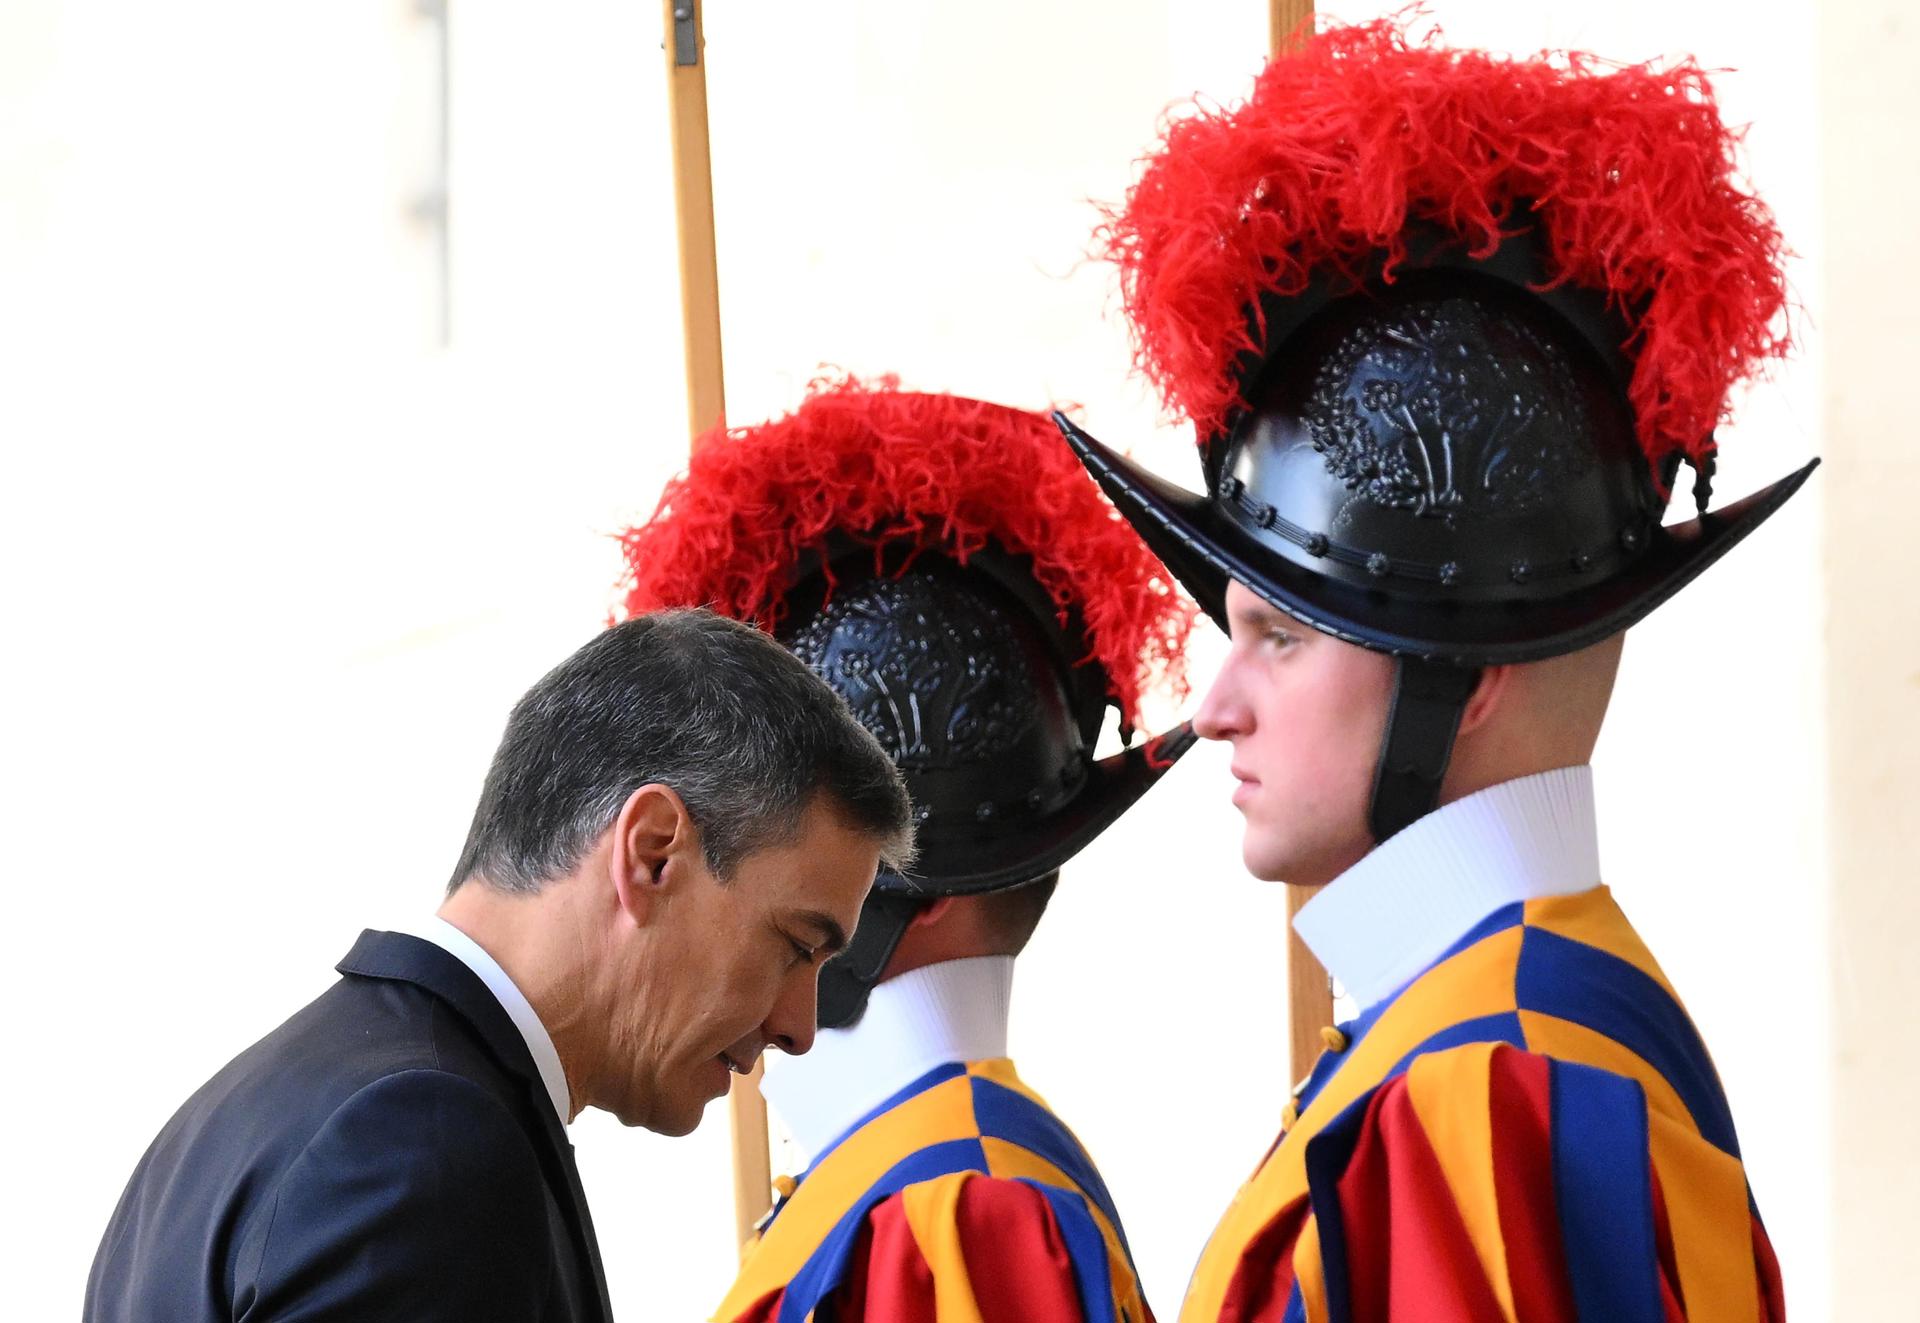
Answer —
(1530, 1130)
(962, 1198)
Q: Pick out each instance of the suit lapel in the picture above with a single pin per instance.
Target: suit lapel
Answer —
(582, 1216)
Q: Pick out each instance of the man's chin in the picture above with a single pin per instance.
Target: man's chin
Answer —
(671, 1121)
(672, 1117)
(680, 1125)
(687, 1118)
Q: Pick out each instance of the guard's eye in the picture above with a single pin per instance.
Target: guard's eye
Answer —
(802, 953)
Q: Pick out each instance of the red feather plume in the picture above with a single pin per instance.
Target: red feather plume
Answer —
(890, 467)
(1363, 129)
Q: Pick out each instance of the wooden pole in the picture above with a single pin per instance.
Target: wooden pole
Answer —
(752, 1167)
(1287, 19)
(1309, 991)
(693, 213)
(707, 409)
(1309, 994)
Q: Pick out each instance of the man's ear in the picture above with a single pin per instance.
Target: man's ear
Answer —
(1494, 685)
(651, 842)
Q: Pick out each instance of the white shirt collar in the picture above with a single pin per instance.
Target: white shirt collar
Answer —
(1383, 921)
(539, 1042)
(926, 1017)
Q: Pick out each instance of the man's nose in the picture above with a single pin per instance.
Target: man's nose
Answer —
(795, 1016)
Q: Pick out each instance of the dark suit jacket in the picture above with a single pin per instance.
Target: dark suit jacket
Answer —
(387, 1153)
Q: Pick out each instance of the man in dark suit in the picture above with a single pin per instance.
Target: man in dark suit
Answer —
(680, 825)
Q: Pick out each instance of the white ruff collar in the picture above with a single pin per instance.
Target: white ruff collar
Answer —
(1383, 921)
(926, 1017)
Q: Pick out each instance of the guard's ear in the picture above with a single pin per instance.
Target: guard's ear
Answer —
(1495, 683)
(653, 847)
(931, 912)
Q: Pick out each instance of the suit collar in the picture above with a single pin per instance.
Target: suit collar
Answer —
(505, 991)
(406, 959)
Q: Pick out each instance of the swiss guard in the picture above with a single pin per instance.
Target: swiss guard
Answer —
(1447, 326)
(948, 568)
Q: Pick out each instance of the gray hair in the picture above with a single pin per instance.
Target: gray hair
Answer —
(731, 721)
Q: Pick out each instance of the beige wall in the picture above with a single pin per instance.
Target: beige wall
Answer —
(1871, 106)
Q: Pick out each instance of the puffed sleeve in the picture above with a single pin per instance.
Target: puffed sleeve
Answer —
(969, 1248)
(1490, 1183)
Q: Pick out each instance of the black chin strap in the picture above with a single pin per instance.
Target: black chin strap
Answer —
(846, 979)
(1428, 698)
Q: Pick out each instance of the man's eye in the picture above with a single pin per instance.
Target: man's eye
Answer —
(801, 953)
(1279, 637)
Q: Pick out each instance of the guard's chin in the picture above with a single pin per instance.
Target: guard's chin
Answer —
(1263, 858)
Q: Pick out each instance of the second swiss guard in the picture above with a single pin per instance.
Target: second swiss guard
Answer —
(1450, 327)
(949, 569)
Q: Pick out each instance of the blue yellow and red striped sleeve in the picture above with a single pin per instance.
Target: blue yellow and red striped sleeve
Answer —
(1492, 1183)
(970, 1248)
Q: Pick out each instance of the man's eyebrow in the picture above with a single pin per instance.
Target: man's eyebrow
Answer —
(832, 936)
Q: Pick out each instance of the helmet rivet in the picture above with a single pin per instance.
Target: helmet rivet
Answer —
(921, 813)
(1520, 571)
(984, 813)
(1378, 564)
(1034, 800)
(1317, 544)
(1231, 487)
(1450, 572)
(1265, 515)
(1582, 560)
(1630, 538)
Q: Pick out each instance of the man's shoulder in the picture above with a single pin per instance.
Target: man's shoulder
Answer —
(368, 1073)
(266, 1103)
(355, 1033)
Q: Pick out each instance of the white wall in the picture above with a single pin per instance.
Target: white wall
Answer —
(277, 566)
(1872, 191)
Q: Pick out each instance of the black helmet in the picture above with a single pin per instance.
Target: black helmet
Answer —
(1449, 437)
(955, 577)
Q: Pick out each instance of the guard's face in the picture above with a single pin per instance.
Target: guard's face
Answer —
(1305, 714)
(732, 967)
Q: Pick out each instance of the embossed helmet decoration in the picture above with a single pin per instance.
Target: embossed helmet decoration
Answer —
(1446, 324)
(948, 568)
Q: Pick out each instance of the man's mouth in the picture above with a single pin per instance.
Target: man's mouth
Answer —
(1248, 787)
(738, 1063)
